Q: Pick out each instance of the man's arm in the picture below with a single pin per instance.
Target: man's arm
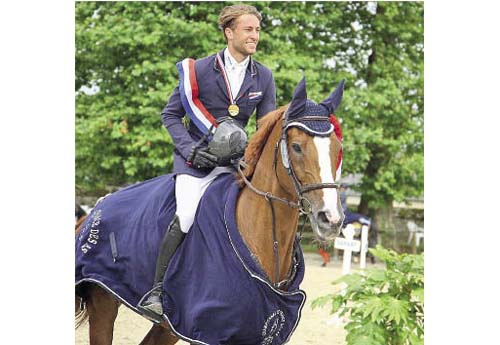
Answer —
(172, 116)
(268, 102)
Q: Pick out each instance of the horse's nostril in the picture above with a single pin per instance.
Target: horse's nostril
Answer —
(322, 217)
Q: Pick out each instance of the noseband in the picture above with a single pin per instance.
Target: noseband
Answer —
(303, 204)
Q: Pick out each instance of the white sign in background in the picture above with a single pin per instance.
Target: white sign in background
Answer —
(348, 244)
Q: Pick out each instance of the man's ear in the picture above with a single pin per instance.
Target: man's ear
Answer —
(229, 33)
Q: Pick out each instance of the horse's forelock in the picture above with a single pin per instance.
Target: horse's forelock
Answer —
(259, 139)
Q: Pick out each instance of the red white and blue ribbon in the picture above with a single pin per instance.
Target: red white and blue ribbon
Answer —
(195, 110)
(226, 79)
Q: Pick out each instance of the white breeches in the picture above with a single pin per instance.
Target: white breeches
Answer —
(188, 192)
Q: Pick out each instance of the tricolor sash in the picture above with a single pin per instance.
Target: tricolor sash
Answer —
(195, 110)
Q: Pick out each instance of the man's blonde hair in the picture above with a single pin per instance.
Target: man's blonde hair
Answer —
(229, 14)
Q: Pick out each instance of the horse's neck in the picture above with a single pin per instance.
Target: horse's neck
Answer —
(255, 220)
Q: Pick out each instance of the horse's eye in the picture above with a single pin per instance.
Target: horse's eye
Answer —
(296, 148)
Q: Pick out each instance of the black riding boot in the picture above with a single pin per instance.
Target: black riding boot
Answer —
(169, 244)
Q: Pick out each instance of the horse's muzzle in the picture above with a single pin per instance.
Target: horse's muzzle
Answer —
(325, 226)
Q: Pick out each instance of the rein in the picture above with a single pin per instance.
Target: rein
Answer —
(303, 204)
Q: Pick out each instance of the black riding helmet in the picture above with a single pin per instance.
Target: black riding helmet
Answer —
(229, 142)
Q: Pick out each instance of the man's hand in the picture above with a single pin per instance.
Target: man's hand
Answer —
(201, 159)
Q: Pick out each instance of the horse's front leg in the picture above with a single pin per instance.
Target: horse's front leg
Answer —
(102, 309)
(159, 335)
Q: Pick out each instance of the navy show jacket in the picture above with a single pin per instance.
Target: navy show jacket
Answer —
(213, 95)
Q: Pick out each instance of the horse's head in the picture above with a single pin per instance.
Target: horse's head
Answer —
(311, 154)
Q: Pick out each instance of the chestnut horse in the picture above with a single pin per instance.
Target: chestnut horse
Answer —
(286, 171)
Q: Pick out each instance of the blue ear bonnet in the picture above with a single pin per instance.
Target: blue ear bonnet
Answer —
(315, 120)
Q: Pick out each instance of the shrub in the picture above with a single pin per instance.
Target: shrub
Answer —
(383, 306)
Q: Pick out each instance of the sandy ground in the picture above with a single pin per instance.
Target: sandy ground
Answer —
(316, 326)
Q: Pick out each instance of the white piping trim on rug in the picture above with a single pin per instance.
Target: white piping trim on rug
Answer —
(165, 317)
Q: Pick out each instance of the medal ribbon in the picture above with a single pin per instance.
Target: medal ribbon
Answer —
(232, 101)
(226, 79)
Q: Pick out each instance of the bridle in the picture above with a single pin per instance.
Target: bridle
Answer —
(302, 204)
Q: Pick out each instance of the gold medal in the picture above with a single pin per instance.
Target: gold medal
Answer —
(233, 110)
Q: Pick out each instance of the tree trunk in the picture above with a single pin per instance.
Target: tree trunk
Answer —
(385, 216)
(372, 168)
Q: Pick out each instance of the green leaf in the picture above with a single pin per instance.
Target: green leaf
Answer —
(418, 294)
(375, 275)
(321, 301)
(372, 307)
(366, 333)
(394, 309)
(337, 302)
(415, 339)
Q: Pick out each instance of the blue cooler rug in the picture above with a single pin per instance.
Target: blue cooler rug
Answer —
(214, 292)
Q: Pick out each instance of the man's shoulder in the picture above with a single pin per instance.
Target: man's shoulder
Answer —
(206, 60)
(205, 64)
(261, 68)
(259, 64)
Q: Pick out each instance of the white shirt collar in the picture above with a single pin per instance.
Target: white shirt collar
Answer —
(232, 61)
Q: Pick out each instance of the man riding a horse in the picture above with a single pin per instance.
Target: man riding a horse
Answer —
(219, 93)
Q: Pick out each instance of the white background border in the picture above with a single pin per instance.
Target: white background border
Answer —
(461, 172)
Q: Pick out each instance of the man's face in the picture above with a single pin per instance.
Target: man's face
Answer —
(244, 37)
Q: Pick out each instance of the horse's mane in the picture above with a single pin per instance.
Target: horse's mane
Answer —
(258, 140)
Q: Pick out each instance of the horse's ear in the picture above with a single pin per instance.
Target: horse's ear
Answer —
(298, 104)
(333, 101)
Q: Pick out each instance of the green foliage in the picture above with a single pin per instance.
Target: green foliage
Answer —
(384, 306)
(127, 52)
